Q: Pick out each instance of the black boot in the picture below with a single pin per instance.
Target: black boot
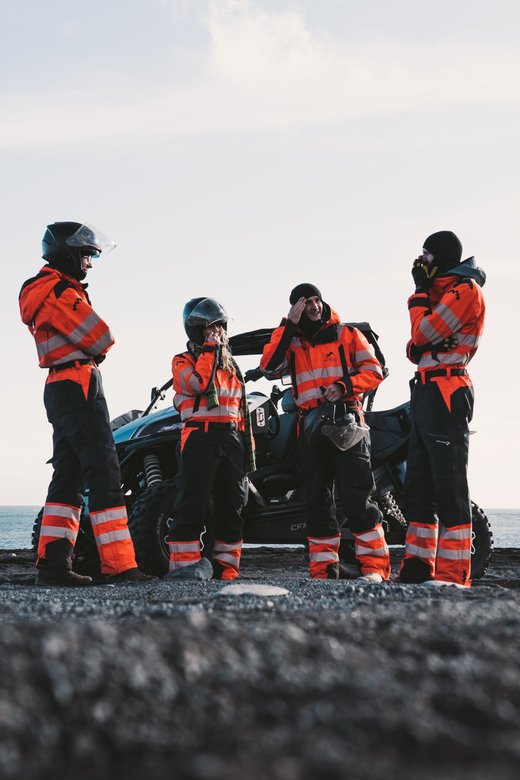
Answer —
(62, 578)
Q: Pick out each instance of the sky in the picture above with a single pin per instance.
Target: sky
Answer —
(236, 148)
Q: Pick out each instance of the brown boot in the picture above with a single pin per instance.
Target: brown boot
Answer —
(61, 578)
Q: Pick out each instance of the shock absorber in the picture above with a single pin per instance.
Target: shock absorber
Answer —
(152, 469)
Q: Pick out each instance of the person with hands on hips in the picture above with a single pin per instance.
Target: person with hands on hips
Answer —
(216, 448)
(331, 361)
(447, 314)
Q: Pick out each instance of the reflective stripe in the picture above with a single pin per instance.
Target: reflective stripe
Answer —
(182, 547)
(107, 515)
(44, 347)
(328, 540)
(183, 378)
(176, 563)
(323, 556)
(101, 344)
(468, 340)
(420, 552)
(447, 358)
(62, 533)
(426, 533)
(360, 550)
(226, 558)
(370, 536)
(222, 546)
(77, 355)
(454, 555)
(318, 374)
(363, 354)
(429, 331)
(369, 367)
(62, 511)
(459, 533)
(84, 328)
(113, 536)
(446, 314)
(309, 395)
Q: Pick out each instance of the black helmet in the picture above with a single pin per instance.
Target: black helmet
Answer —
(64, 243)
(200, 313)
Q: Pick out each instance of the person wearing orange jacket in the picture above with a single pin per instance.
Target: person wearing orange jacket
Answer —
(71, 340)
(216, 448)
(330, 361)
(447, 314)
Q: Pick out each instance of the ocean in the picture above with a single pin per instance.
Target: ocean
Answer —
(16, 524)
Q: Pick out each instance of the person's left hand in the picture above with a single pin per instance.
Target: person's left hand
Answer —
(333, 393)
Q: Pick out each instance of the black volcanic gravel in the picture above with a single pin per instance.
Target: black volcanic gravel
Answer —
(334, 680)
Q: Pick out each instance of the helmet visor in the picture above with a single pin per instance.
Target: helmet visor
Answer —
(206, 313)
(89, 237)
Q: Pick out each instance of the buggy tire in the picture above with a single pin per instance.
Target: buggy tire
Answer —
(149, 522)
(482, 543)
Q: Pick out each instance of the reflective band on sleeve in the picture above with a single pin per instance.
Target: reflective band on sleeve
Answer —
(84, 328)
(429, 331)
(44, 347)
(446, 314)
(102, 343)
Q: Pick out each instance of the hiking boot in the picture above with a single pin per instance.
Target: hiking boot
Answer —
(62, 578)
(200, 570)
(372, 576)
(130, 575)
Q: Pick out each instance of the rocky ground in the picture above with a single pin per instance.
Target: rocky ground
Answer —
(303, 680)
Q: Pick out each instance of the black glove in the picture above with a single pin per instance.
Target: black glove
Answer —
(253, 375)
(423, 275)
(98, 359)
(415, 353)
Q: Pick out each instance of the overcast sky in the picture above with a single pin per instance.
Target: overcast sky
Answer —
(235, 148)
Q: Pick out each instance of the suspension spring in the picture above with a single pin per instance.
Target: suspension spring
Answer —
(152, 469)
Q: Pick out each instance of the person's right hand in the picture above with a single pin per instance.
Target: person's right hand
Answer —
(296, 310)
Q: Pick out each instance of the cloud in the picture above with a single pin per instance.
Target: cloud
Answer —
(268, 70)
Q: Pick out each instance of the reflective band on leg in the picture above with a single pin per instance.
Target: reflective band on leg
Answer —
(454, 555)
(323, 551)
(183, 554)
(59, 521)
(228, 556)
(113, 540)
(372, 552)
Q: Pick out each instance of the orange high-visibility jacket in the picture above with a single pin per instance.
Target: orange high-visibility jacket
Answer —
(322, 360)
(65, 327)
(192, 404)
(454, 305)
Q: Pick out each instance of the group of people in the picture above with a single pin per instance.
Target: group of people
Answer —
(332, 367)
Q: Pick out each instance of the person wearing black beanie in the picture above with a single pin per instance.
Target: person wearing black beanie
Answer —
(331, 362)
(447, 314)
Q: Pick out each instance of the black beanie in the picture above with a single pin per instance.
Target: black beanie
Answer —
(304, 291)
(445, 248)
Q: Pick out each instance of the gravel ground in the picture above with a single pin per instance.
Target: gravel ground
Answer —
(328, 680)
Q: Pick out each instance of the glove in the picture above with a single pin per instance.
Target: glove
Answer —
(98, 359)
(253, 375)
(415, 353)
(423, 275)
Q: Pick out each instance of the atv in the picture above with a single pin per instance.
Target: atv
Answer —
(147, 444)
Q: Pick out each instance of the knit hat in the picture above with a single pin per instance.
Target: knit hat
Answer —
(304, 291)
(445, 248)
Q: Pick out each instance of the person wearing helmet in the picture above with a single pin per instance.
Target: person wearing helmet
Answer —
(331, 364)
(71, 341)
(216, 447)
(447, 314)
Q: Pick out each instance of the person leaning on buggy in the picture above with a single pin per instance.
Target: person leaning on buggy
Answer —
(216, 448)
(331, 363)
